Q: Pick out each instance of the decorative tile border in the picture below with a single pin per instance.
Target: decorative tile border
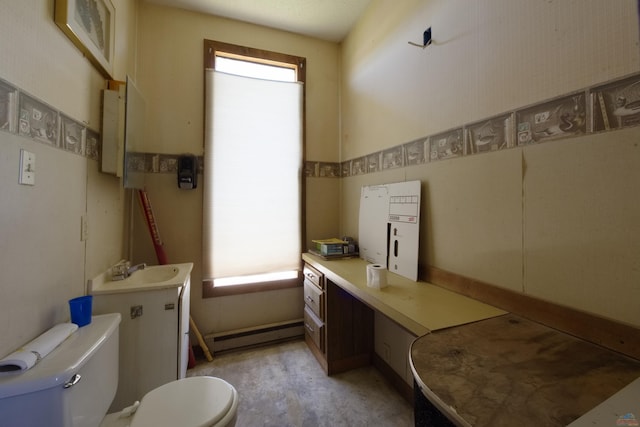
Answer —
(7, 102)
(157, 163)
(564, 117)
(489, 135)
(392, 158)
(322, 169)
(27, 116)
(616, 105)
(601, 108)
(37, 120)
(446, 145)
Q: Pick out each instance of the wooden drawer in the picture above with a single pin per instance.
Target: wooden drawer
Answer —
(314, 328)
(313, 275)
(314, 298)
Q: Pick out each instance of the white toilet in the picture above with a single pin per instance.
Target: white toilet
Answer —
(75, 384)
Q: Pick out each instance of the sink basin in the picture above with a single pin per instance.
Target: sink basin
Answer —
(153, 274)
(147, 279)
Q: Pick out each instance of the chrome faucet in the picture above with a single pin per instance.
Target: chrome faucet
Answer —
(135, 268)
(123, 269)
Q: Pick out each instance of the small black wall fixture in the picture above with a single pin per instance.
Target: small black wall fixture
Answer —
(426, 39)
(187, 172)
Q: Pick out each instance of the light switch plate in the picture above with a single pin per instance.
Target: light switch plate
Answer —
(27, 168)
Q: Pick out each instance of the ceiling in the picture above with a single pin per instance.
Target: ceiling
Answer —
(323, 19)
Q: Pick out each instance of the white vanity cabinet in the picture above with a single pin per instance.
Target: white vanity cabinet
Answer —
(154, 336)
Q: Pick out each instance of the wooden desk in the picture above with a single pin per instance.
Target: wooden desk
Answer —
(508, 371)
(479, 364)
(346, 329)
(419, 307)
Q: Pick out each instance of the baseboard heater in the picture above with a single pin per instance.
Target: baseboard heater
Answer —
(247, 337)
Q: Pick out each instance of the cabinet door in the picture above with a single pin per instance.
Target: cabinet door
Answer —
(183, 328)
(148, 340)
(156, 336)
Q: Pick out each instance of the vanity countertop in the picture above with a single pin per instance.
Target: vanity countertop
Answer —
(507, 371)
(419, 307)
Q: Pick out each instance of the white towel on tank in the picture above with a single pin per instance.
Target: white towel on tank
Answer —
(28, 355)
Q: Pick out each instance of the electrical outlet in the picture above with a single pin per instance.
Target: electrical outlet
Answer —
(27, 168)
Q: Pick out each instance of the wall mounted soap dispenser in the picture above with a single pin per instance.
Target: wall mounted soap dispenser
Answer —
(187, 172)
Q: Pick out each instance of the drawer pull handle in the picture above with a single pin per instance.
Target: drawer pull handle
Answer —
(309, 298)
(309, 328)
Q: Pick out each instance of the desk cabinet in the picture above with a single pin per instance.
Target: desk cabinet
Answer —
(314, 330)
(338, 326)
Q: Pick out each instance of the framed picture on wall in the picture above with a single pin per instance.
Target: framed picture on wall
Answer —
(90, 25)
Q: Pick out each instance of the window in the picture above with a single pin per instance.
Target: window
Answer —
(253, 193)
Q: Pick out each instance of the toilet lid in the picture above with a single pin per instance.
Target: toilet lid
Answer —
(188, 402)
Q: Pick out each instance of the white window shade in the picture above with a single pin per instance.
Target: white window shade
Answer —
(252, 179)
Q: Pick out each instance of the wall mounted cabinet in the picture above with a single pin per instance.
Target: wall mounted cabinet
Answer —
(123, 132)
(113, 121)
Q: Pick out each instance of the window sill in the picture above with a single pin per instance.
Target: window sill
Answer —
(210, 291)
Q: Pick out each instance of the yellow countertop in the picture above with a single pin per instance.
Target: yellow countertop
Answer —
(419, 307)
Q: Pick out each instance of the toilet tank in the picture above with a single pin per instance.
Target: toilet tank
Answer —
(38, 397)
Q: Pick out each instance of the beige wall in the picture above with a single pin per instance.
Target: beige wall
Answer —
(556, 221)
(171, 79)
(44, 263)
(488, 57)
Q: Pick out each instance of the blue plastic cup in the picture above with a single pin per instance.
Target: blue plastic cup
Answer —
(80, 309)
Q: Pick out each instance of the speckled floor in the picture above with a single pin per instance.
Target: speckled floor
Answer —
(283, 385)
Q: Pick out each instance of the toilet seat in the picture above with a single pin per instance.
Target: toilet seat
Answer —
(188, 402)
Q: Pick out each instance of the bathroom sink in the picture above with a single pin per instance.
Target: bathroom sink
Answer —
(150, 278)
(153, 274)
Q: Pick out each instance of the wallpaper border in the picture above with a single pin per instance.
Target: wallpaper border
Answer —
(25, 115)
(599, 108)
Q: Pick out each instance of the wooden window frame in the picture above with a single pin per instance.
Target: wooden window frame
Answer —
(212, 49)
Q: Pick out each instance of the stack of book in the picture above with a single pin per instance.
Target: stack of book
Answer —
(332, 246)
